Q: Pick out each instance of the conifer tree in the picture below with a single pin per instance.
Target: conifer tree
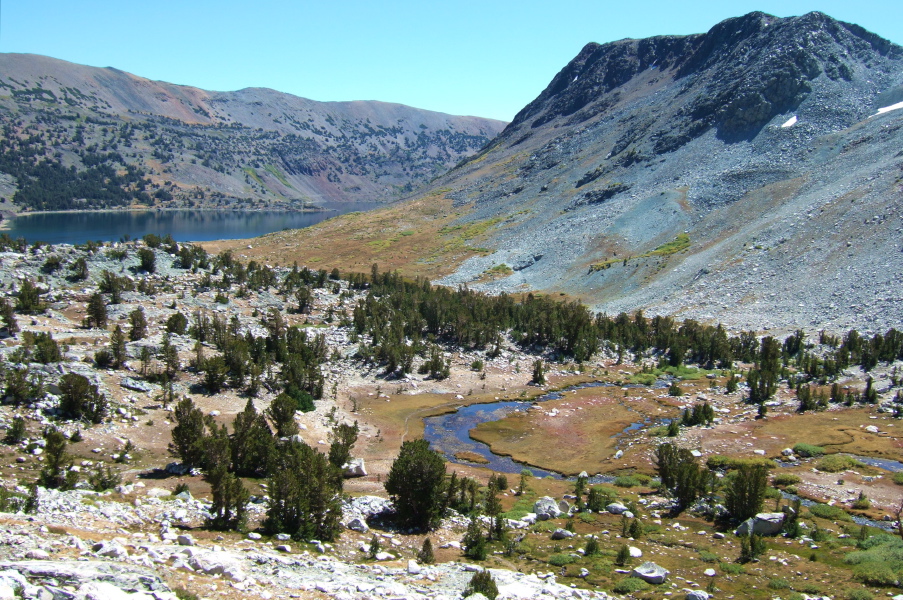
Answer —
(96, 311)
(138, 323)
(415, 484)
(118, 347)
(252, 442)
(9, 317)
(282, 413)
(342, 438)
(188, 434)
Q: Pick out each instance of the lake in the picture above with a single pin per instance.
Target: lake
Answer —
(182, 225)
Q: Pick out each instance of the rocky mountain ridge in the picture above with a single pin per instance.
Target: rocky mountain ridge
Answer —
(188, 146)
(751, 170)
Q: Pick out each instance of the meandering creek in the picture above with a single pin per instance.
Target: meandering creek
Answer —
(449, 434)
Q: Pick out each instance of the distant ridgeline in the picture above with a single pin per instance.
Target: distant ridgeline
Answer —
(78, 137)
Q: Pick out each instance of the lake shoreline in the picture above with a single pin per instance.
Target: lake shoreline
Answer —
(184, 224)
(8, 216)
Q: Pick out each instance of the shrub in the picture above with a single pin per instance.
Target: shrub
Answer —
(80, 399)
(898, 477)
(623, 557)
(147, 260)
(15, 433)
(630, 585)
(707, 556)
(626, 481)
(835, 463)
(808, 450)
(831, 513)
(731, 568)
(592, 547)
(560, 560)
(177, 323)
(779, 583)
(875, 574)
(182, 487)
(859, 595)
(426, 556)
(784, 479)
(476, 365)
(104, 478)
(862, 502)
(482, 583)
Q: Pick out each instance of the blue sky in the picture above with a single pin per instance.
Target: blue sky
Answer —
(476, 58)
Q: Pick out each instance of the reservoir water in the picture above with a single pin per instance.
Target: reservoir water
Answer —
(182, 225)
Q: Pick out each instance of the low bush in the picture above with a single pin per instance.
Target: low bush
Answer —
(630, 586)
(832, 513)
(835, 463)
(879, 562)
(731, 568)
(808, 450)
(779, 583)
(627, 481)
(859, 595)
(898, 477)
(560, 560)
(784, 479)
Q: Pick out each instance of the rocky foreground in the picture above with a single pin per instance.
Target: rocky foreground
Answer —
(133, 543)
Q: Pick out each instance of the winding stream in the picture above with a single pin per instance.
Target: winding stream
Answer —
(449, 434)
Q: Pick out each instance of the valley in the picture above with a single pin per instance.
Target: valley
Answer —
(643, 341)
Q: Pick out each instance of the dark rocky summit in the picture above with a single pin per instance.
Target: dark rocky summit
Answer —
(741, 172)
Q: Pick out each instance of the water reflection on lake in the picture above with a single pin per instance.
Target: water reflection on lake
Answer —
(183, 225)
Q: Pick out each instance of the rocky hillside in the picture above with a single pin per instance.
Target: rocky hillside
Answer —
(760, 159)
(173, 145)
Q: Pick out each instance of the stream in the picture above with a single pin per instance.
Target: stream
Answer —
(449, 434)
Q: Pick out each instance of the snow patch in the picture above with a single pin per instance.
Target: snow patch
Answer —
(888, 109)
(790, 122)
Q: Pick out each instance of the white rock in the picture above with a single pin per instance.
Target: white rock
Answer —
(413, 567)
(635, 552)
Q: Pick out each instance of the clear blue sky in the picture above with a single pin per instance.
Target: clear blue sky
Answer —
(477, 58)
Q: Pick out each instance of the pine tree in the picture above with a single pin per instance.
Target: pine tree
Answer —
(56, 473)
(282, 413)
(539, 372)
(96, 311)
(80, 399)
(745, 493)
(138, 323)
(230, 502)
(118, 347)
(482, 583)
(623, 558)
(9, 317)
(305, 491)
(415, 484)
(252, 442)
(170, 358)
(425, 556)
(474, 541)
(342, 438)
(188, 434)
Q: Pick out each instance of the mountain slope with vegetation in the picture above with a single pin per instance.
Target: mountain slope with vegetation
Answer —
(751, 170)
(82, 137)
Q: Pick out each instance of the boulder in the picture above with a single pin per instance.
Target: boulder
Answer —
(110, 549)
(562, 534)
(635, 552)
(6, 592)
(762, 524)
(357, 524)
(156, 492)
(177, 469)
(37, 554)
(354, 468)
(101, 590)
(413, 567)
(650, 573)
(546, 508)
(185, 540)
(697, 595)
(564, 507)
(616, 508)
(218, 563)
(135, 385)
